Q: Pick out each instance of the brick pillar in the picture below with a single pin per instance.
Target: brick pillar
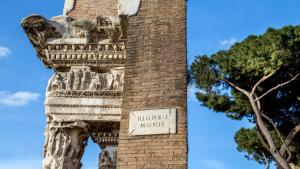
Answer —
(155, 78)
(90, 9)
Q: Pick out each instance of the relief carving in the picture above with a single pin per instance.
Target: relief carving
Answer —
(107, 159)
(111, 29)
(87, 80)
(95, 82)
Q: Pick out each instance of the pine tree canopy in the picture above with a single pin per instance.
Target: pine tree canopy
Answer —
(265, 67)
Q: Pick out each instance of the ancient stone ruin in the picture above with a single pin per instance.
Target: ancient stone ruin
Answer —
(120, 79)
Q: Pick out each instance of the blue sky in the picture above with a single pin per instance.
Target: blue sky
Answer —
(212, 25)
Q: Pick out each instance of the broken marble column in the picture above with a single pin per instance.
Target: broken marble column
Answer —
(65, 143)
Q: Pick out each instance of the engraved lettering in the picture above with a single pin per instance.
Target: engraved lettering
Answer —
(155, 124)
(153, 117)
(150, 122)
(141, 118)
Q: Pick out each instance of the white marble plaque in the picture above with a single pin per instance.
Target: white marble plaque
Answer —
(151, 122)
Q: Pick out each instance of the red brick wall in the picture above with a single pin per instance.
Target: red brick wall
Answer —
(155, 77)
(89, 9)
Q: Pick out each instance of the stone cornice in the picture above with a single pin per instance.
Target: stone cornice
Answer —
(63, 41)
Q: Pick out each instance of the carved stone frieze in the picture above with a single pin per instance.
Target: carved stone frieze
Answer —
(85, 54)
(64, 38)
(83, 94)
(105, 138)
(86, 47)
(108, 158)
(105, 134)
(87, 80)
(87, 94)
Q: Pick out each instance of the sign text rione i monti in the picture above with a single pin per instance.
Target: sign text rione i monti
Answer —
(151, 122)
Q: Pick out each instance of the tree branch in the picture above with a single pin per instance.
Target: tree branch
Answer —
(278, 133)
(292, 134)
(267, 161)
(261, 81)
(262, 127)
(238, 88)
(257, 102)
(262, 140)
(289, 138)
(278, 86)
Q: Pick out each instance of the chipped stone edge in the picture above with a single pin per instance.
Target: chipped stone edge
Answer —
(69, 6)
(129, 8)
(124, 7)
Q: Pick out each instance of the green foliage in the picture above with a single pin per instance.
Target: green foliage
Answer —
(244, 64)
(248, 141)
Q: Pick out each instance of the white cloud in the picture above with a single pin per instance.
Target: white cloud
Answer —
(213, 164)
(192, 90)
(192, 93)
(227, 43)
(4, 52)
(17, 99)
(22, 164)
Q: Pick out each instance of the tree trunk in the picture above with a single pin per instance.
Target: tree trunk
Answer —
(266, 133)
(293, 166)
